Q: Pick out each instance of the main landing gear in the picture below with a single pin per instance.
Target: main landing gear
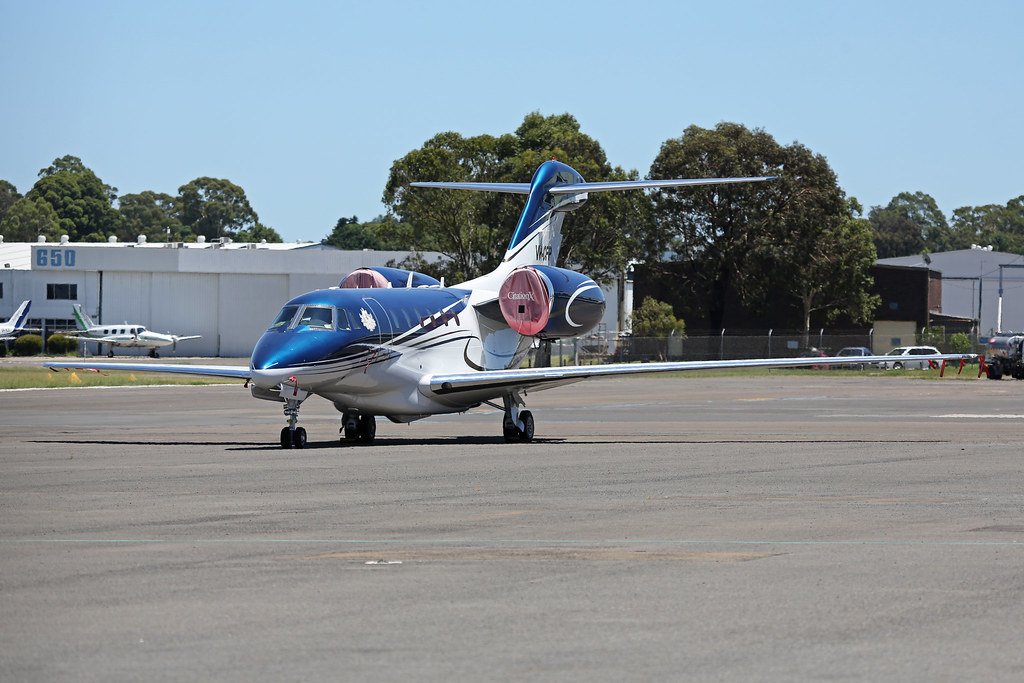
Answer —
(517, 425)
(356, 428)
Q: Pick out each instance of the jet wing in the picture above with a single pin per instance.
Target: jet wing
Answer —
(100, 340)
(503, 381)
(232, 371)
(193, 336)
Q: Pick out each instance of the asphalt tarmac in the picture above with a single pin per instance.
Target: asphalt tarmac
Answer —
(780, 528)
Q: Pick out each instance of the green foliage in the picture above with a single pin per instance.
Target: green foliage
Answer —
(910, 224)
(959, 342)
(151, 214)
(258, 233)
(656, 319)
(82, 202)
(349, 234)
(28, 218)
(1000, 226)
(59, 345)
(8, 195)
(795, 234)
(27, 345)
(215, 208)
(473, 229)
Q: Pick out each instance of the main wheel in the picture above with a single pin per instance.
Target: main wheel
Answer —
(299, 438)
(286, 438)
(994, 371)
(526, 433)
(367, 428)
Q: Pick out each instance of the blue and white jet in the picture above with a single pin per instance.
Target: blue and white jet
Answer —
(16, 323)
(399, 344)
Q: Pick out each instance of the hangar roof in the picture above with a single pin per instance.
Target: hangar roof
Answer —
(961, 263)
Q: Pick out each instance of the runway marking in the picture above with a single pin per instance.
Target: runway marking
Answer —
(464, 542)
(980, 416)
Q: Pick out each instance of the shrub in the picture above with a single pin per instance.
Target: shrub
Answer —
(27, 345)
(59, 345)
(960, 343)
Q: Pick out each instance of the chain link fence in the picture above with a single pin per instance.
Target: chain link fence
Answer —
(726, 345)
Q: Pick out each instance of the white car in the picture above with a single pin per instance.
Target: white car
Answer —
(905, 357)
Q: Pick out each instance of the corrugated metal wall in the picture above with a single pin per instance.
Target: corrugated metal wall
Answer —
(248, 304)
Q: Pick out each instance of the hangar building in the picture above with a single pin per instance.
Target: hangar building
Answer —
(970, 285)
(226, 292)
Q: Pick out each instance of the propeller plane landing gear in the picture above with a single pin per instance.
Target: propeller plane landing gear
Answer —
(292, 436)
(517, 425)
(358, 428)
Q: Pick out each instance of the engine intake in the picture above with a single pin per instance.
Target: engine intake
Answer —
(381, 277)
(550, 302)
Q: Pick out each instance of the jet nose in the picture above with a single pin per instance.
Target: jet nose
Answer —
(273, 350)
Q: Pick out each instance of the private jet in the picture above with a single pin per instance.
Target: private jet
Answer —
(129, 335)
(399, 344)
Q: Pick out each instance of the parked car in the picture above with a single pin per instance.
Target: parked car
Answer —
(904, 357)
(849, 351)
(812, 352)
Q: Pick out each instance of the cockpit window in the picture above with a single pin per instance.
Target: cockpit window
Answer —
(284, 318)
(318, 317)
(343, 320)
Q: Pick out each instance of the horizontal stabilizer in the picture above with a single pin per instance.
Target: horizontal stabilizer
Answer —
(513, 188)
(614, 185)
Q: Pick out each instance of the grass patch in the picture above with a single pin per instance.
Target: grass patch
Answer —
(28, 377)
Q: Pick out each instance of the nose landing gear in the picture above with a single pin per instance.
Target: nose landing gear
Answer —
(292, 436)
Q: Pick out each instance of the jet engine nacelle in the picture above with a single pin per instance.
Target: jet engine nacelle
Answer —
(549, 302)
(378, 277)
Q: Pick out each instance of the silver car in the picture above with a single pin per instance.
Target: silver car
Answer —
(904, 357)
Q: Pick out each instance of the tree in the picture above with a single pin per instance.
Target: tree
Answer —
(258, 233)
(8, 195)
(473, 228)
(151, 214)
(83, 203)
(910, 224)
(656, 319)
(792, 236)
(27, 219)
(349, 234)
(1000, 226)
(215, 208)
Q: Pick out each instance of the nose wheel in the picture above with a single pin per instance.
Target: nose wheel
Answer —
(293, 436)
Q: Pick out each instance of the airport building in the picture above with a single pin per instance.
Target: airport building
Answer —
(226, 292)
(978, 283)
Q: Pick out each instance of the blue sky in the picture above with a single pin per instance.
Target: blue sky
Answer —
(307, 104)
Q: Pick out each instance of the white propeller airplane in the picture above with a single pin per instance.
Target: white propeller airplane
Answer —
(398, 344)
(126, 334)
(16, 323)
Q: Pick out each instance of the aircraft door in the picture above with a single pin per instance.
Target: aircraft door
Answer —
(376, 320)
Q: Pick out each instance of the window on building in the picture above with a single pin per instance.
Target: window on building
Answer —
(62, 291)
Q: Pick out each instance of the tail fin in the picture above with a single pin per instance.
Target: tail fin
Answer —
(21, 315)
(82, 319)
